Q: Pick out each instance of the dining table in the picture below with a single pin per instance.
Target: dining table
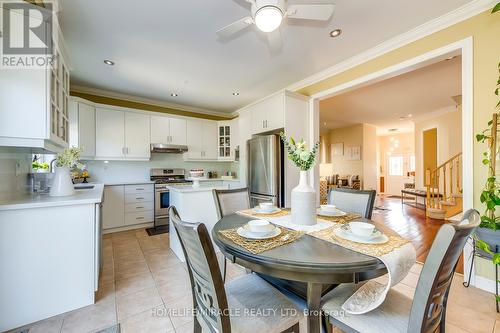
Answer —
(310, 261)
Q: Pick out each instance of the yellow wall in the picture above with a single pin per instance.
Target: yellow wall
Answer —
(485, 30)
(429, 148)
(349, 136)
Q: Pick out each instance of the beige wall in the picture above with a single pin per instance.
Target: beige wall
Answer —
(484, 29)
(369, 152)
(350, 136)
(449, 139)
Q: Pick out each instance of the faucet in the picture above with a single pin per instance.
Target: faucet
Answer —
(51, 165)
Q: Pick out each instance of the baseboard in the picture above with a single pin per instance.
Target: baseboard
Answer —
(484, 284)
(128, 227)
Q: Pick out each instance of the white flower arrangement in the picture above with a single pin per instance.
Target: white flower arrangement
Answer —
(298, 152)
(70, 158)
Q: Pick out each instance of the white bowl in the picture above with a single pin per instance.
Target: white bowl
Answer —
(329, 208)
(260, 226)
(266, 206)
(361, 228)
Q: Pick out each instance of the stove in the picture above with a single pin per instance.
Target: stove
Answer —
(163, 178)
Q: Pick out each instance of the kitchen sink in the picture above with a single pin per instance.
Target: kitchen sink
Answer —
(84, 187)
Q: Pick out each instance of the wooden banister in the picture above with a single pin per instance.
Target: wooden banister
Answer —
(443, 183)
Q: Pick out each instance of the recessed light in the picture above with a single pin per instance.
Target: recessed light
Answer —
(236, 93)
(335, 33)
(174, 94)
(109, 62)
(410, 115)
(392, 129)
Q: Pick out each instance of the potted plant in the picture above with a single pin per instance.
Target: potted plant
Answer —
(62, 185)
(303, 195)
(38, 166)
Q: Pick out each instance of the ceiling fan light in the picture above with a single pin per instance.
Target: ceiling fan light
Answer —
(268, 18)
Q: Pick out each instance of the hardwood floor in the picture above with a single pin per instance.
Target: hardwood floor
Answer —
(409, 222)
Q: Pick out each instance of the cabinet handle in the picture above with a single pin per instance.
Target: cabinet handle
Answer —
(139, 189)
(139, 198)
(123, 151)
(140, 218)
(139, 207)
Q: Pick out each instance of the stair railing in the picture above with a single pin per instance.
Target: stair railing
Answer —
(444, 182)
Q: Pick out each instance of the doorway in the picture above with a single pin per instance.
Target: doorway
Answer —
(429, 149)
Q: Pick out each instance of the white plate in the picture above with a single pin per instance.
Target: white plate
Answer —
(377, 238)
(250, 235)
(330, 214)
(260, 211)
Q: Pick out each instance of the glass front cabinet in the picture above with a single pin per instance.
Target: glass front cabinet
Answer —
(225, 143)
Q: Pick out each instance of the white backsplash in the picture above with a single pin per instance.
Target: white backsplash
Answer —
(14, 169)
(118, 171)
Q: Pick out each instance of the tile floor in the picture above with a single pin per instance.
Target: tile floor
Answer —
(142, 277)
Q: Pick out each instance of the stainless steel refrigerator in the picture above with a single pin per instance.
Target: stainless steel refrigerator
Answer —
(265, 170)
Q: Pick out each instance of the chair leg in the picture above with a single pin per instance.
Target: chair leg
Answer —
(327, 327)
(197, 326)
(224, 270)
(294, 329)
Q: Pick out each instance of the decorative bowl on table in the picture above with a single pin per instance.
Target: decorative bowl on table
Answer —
(197, 173)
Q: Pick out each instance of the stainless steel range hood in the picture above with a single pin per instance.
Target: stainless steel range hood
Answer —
(167, 148)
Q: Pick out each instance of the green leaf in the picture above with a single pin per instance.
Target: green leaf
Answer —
(496, 8)
(480, 137)
(486, 161)
(482, 245)
(496, 259)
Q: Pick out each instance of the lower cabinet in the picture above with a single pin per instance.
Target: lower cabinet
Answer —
(127, 205)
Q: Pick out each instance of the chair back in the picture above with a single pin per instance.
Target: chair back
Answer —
(229, 202)
(207, 287)
(353, 201)
(429, 303)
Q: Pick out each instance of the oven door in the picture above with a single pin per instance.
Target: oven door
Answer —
(162, 203)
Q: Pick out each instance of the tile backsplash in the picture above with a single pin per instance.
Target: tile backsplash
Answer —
(14, 169)
(117, 171)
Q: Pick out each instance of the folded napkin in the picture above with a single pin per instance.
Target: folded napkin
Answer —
(285, 220)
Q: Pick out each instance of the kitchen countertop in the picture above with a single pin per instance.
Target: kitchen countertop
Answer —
(190, 188)
(218, 180)
(128, 182)
(27, 200)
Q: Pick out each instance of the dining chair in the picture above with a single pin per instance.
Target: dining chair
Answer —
(353, 201)
(228, 202)
(399, 313)
(245, 305)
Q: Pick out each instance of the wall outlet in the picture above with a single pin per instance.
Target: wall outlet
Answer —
(18, 168)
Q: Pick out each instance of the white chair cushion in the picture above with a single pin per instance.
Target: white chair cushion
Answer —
(391, 317)
(252, 297)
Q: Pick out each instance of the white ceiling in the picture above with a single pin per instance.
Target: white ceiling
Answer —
(417, 93)
(165, 46)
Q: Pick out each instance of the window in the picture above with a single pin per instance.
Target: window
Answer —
(412, 163)
(396, 166)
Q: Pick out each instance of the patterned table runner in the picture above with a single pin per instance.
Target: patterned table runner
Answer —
(398, 255)
(258, 246)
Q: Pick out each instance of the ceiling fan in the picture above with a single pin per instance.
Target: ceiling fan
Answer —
(268, 15)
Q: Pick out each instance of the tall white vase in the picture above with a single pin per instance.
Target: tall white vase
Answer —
(61, 183)
(303, 202)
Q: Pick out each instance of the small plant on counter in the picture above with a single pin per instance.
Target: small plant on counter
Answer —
(298, 152)
(39, 166)
(69, 158)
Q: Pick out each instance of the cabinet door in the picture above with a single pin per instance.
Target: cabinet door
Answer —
(137, 135)
(178, 131)
(86, 129)
(274, 109)
(209, 140)
(113, 213)
(160, 129)
(194, 139)
(110, 133)
(258, 119)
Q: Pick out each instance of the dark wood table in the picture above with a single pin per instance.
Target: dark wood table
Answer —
(307, 260)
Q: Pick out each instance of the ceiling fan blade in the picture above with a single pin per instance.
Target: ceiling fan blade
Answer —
(234, 27)
(321, 12)
(274, 40)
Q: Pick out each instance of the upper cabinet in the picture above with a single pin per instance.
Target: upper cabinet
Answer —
(122, 135)
(226, 140)
(168, 130)
(268, 114)
(201, 140)
(34, 101)
(82, 127)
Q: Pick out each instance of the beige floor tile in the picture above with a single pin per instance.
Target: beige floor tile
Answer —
(138, 302)
(50, 325)
(185, 328)
(134, 284)
(417, 268)
(170, 274)
(106, 292)
(150, 321)
(468, 319)
(411, 279)
(181, 311)
(93, 317)
(484, 302)
(405, 290)
(130, 269)
(450, 328)
(171, 291)
(497, 327)
(106, 276)
(130, 258)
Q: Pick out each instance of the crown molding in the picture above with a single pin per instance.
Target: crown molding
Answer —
(458, 15)
(131, 98)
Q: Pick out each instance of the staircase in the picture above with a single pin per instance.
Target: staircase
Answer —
(444, 189)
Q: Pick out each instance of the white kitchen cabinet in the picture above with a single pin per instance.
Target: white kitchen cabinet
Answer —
(127, 205)
(201, 140)
(110, 134)
(122, 135)
(227, 140)
(82, 127)
(168, 130)
(113, 212)
(268, 114)
(34, 101)
(137, 137)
